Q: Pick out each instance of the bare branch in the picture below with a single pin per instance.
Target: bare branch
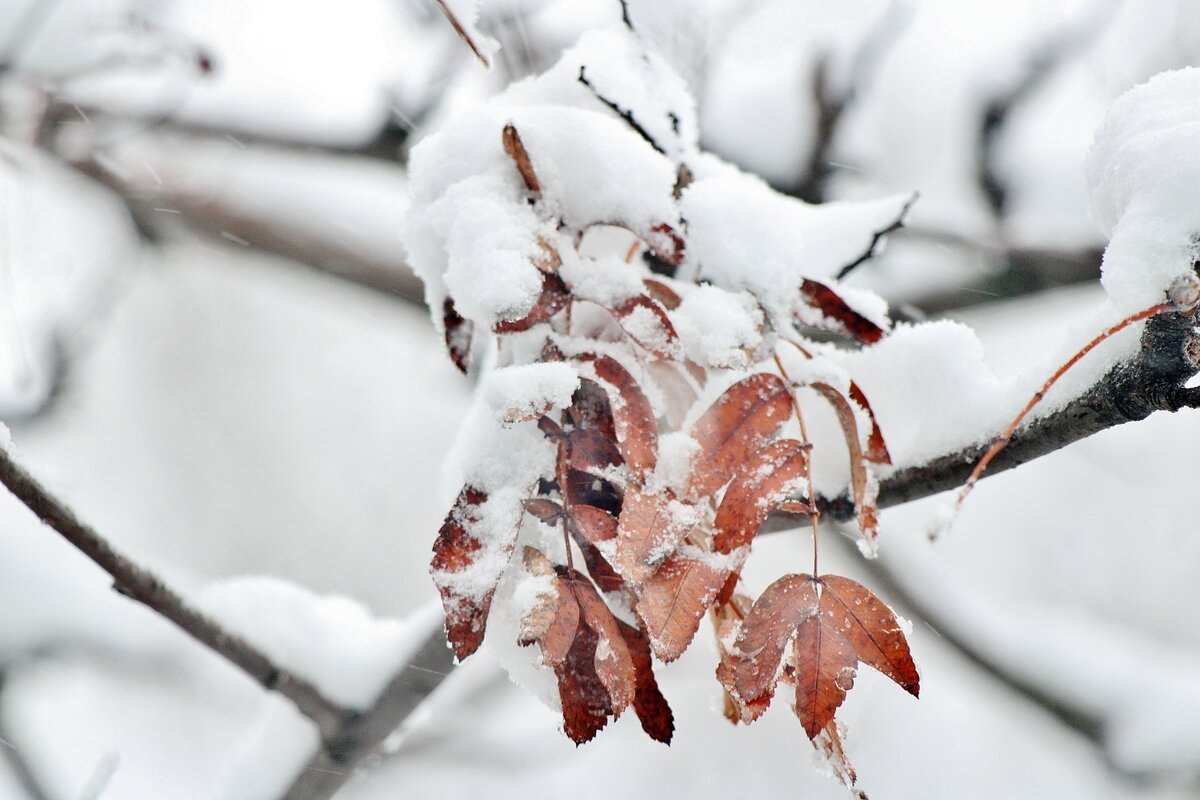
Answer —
(138, 584)
(878, 236)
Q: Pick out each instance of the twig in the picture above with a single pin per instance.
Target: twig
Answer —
(878, 236)
(616, 109)
(363, 733)
(1152, 381)
(139, 584)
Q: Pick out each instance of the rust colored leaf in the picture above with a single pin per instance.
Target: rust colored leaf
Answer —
(652, 709)
(836, 623)
(520, 156)
(633, 417)
(667, 297)
(589, 489)
(673, 600)
(585, 645)
(645, 321)
(728, 619)
(547, 511)
(759, 485)
(590, 527)
(647, 533)
(458, 333)
(554, 618)
(553, 299)
(860, 484)
(666, 244)
(455, 550)
(842, 318)
(592, 431)
(829, 744)
(740, 422)
(877, 452)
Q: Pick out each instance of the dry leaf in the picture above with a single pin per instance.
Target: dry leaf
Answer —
(840, 316)
(520, 156)
(458, 333)
(737, 424)
(769, 477)
(554, 298)
(632, 415)
(673, 600)
(454, 551)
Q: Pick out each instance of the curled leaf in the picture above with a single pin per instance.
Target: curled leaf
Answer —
(554, 298)
(520, 156)
(455, 551)
(633, 416)
(838, 315)
(645, 321)
(459, 333)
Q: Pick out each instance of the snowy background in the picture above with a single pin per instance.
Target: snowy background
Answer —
(211, 347)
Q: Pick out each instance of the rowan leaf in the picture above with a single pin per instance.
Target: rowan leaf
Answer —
(553, 298)
(667, 297)
(652, 708)
(838, 315)
(645, 321)
(459, 334)
(591, 430)
(591, 528)
(589, 489)
(877, 451)
(613, 662)
(648, 531)
(835, 623)
(673, 600)
(860, 481)
(455, 552)
(520, 156)
(632, 415)
(737, 424)
(554, 617)
(769, 477)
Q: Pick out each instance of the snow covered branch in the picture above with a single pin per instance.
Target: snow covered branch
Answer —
(138, 584)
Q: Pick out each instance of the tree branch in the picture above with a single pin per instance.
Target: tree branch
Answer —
(1152, 381)
(139, 584)
(362, 734)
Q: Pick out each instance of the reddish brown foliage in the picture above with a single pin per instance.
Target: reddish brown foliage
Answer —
(553, 299)
(740, 421)
(520, 156)
(458, 333)
(633, 417)
(835, 623)
(759, 485)
(454, 551)
(651, 329)
(841, 317)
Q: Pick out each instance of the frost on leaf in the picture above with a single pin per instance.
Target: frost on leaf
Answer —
(740, 421)
(760, 484)
(673, 600)
(454, 553)
(834, 623)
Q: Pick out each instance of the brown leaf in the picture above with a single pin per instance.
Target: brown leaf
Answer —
(836, 623)
(877, 452)
(592, 430)
(547, 511)
(860, 484)
(585, 644)
(840, 316)
(589, 489)
(829, 744)
(553, 299)
(520, 156)
(667, 297)
(458, 333)
(759, 485)
(652, 709)
(666, 244)
(455, 551)
(728, 617)
(652, 328)
(737, 424)
(673, 600)
(633, 416)
(647, 533)
(591, 526)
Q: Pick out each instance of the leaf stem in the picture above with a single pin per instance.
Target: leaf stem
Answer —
(814, 515)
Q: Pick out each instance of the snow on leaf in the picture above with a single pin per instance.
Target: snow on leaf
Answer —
(455, 551)
(673, 600)
(737, 424)
(838, 315)
(648, 531)
(591, 431)
(586, 646)
(553, 299)
(835, 623)
(877, 451)
(633, 417)
(647, 323)
(591, 527)
(759, 485)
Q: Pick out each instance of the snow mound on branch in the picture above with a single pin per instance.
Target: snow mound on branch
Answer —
(1142, 173)
(332, 641)
(527, 391)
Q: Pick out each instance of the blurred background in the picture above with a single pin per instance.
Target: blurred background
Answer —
(210, 345)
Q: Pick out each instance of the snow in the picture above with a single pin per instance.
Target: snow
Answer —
(331, 640)
(527, 391)
(1142, 172)
(466, 14)
(722, 329)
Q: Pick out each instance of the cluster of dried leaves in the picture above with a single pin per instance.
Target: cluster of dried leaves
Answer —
(657, 559)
